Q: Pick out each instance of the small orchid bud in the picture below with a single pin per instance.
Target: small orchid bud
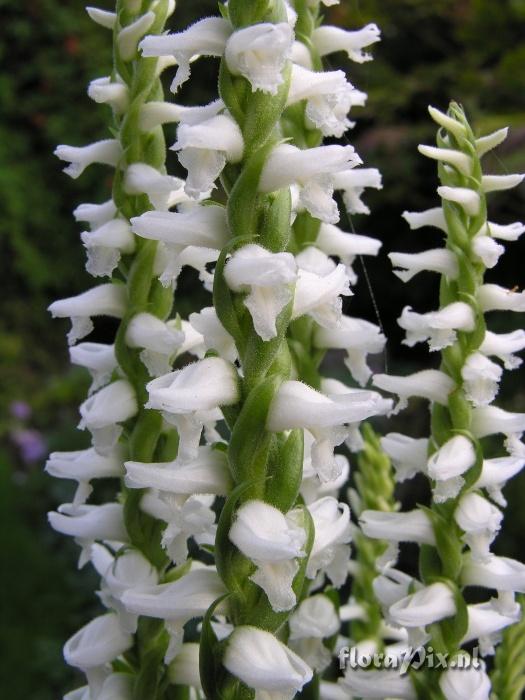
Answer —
(107, 152)
(104, 300)
(480, 521)
(96, 214)
(438, 260)
(486, 143)
(102, 17)
(129, 37)
(265, 664)
(259, 53)
(497, 183)
(457, 159)
(269, 278)
(438, 327)
(105, 91)
(411, 526)
(453, 125)
(102, 412)
(447, 464)
(328, 40)
(204, 38)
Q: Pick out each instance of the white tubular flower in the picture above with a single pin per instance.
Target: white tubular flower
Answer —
(328, 40)
(430, 217)
(501, 573)
(329, 97)
(158, 340)
(448, 123)
(215, 336)
(113, 93)
(207, 474)
(481, 379)
(314, 620)
(102, 412)
(102, 17)
(480, 521)
(130, 35)
(487, 250)
(491, 420)
(485, 623)
(484, 144)
(178, 602)
(104, 300)
(205, 148)
(105, 245)
(273, 542)
(107, 152)
(115, 686)
(184, 669)
(98, 359)
(496, 183)
(457, 159)
(353, 184)
(87, 523)
(471, 683)
(259, 53)
(390, 587)
(438, 327)
(492, 297)
(447, 464)
(164, 191)
(185, 517)
(319, 295)
(154, 114)
(96, 214)
(467, 199)
(408, 455)
(411, 526)
(377, 684)
(129, 570)
(431, 384)
(428, 605)
(188, 398)
(330, 551)
(268, 277)
(311, 487)
(297, 405)
(313, 170)
(496, 472)
(204, 38)
(347, 246)
(438, 260)
(82, 466)
(503, 346)
(199, 228)
(508, 232)
(359, 338)
(265, 664)
(96, 644)
(193, 340)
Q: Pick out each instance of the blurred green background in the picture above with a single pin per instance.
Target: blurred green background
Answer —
(432, 51)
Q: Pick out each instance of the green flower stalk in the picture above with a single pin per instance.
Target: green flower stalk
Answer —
(455, 532)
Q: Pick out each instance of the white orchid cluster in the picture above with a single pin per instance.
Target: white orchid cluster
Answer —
(161, 430)
(455, 534)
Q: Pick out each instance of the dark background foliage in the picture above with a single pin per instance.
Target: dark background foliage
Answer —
(432, 51)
